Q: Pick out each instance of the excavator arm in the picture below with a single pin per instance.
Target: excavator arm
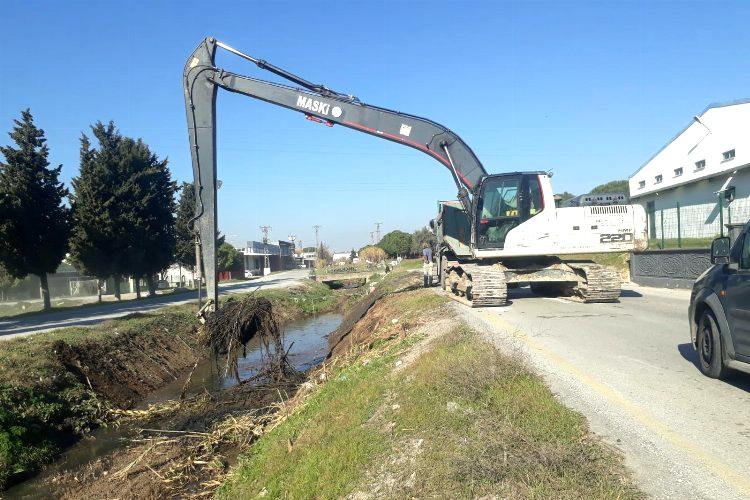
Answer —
(201, 79)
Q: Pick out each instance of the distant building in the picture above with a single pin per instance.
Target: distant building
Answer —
(338, 256)
(280, 257)
(700, 179)
(305, 259)
(586, 200)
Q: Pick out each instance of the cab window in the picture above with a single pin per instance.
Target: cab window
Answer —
(745, 257)
(500, 199)
(536, 204)
(499, 210)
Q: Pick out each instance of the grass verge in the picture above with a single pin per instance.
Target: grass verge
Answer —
(425, 408)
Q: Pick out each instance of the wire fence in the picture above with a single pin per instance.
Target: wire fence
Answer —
(693, 226)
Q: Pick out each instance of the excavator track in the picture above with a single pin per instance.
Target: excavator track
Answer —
(602, 283)
(487, 286)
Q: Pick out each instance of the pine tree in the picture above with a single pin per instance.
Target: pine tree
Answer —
(146, 198)
(97, 246)
(34, 222)
(185, 245)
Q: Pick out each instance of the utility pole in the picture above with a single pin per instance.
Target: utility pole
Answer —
(317, 241)
(377, 232)
(266, 260)
(372, 238)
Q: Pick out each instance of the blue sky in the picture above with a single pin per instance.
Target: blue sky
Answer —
(588, 89)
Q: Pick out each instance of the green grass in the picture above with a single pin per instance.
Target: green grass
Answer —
(410, 264)
(657, 243)
(331, 444)
(462, 421)
(618, 260)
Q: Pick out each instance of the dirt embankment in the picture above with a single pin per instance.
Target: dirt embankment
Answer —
(56, 387)
(187, 447)
(130, 366)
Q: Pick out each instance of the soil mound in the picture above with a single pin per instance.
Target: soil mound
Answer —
(125, 368)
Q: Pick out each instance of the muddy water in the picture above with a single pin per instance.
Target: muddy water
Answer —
(307, 343)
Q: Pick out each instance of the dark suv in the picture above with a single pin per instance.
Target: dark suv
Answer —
(720, 308)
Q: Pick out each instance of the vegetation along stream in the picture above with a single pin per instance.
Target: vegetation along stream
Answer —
(306, 341)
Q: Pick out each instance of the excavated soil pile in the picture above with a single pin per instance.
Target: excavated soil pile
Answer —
(342, 339)
(125, 368)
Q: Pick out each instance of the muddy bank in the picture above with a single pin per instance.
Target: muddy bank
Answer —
(130, 366)
(186, 448)
(58, 386)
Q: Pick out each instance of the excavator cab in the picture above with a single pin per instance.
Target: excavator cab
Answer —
(504, 202)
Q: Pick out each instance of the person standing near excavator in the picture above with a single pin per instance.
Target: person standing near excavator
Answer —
(427, 264)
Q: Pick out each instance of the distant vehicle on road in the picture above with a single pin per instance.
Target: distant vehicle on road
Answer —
(720, 308)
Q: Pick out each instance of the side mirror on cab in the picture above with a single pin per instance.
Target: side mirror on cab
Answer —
(720, 249)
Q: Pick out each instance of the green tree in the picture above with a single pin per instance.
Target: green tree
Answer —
(34, 221)
(565, 195)
(422, 237)
(396, 243)
(146, 199)
(620, 186)
(308, 249)
(324, 256)
(185, 245)
(98, 246)
(227, 257)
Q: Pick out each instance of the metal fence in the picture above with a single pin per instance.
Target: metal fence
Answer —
(693, 226)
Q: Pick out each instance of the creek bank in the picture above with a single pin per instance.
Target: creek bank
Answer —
(186, 447)
(57, 386)
(415, 404)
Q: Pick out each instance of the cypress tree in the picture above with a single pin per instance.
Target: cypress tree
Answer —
(146, 199)
(96, 240)
(34, 222)
(185, 246)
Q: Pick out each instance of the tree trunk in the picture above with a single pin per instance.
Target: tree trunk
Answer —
(44, 288)
(98, 290)
(151, 285)
(137, 281)
(116, 278)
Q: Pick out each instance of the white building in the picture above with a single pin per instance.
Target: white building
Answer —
(700, 179)
(337, 256)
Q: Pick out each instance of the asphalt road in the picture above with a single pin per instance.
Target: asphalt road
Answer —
(630, 369)
(89, 315)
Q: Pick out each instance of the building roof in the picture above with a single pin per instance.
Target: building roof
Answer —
(710, 106)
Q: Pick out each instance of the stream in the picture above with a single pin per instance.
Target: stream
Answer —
(307, 337)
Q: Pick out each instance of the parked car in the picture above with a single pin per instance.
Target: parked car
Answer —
(719, 311)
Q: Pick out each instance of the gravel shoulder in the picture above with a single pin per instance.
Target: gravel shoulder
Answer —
(630, 369)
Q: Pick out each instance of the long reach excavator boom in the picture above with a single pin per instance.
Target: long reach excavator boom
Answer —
(201, 79)
(504, 230)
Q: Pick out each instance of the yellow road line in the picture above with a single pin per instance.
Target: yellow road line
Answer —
(715, 465)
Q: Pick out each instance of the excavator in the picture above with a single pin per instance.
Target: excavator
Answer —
(504, 229)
